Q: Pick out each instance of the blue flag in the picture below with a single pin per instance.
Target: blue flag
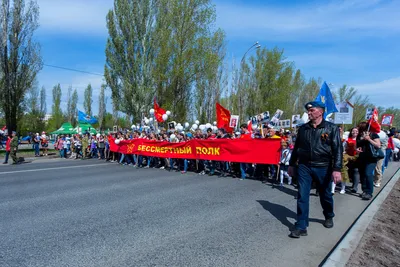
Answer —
(325, 96)
(82, 117)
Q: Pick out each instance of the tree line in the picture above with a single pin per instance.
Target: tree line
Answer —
(168, 49)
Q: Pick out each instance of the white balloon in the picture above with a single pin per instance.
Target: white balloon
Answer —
(133, 126)
(146, 121)
(208, 125)
(151, 119)
(168, 112)
(194, 126)
(98, 135)
(215, 123)
(179, 124)
(165, 117)
(202, 127)
(173, 136)
(197, 122)
(187, 125)
(117, 141)
(151, 111)
(215, 129)
(183, 132)
(254, 126)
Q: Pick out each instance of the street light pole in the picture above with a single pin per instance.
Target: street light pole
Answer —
(256, 45)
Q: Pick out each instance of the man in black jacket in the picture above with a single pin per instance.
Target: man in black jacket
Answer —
(318, 151)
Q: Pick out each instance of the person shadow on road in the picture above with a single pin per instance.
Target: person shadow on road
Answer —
(283, 214)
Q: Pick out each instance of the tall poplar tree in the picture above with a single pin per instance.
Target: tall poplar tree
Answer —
(20, 59)
(102, 106)
(87, 101)
(57, 115)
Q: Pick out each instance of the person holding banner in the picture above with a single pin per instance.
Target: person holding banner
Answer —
(318, 151)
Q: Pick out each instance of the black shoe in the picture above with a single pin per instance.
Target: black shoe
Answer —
(5, 162)
(328, 223)
(363, 194)
(297, 233)
(367, 197)
(354, 191)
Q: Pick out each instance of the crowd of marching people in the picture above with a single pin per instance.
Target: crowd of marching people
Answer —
(358, 166)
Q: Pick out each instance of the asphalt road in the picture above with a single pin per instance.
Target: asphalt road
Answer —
(91, 213)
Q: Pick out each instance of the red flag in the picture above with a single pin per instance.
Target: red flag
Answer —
(158, 112)
(373, 122)
(250, 127)
(223, 117)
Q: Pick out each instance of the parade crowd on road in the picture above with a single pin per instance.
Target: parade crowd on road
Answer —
(357, 166)
(317, 154)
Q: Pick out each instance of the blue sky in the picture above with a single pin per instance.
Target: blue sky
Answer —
(353, 42)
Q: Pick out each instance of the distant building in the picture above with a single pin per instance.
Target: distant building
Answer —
(47, 117)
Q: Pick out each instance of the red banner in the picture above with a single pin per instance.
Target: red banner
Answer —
(263, 151)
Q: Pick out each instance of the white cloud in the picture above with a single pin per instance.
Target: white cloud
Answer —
(74, 16)
(338, 19)
(384, 93)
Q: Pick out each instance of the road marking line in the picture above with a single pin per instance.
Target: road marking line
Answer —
(55, 168)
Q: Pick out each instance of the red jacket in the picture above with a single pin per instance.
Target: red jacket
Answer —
(8, 147)
(390, 143)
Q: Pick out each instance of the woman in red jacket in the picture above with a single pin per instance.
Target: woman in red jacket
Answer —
(8, 148)
(351, 151)
(389, 151)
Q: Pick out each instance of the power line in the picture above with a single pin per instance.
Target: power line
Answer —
(82, 71)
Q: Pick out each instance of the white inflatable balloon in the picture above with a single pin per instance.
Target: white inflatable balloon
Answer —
(151, 111)
(208, 125)
(254, 126)
(173, 136)
(202, 127)
(168, 112)
(195, 126)
(215, 123)
(179, 125)
(215, 129)
(197, 122)
(146, 121)
(187, 125)
(117, 141)
(133, 127)
(98, 135)
(165, 117)
(151, 119)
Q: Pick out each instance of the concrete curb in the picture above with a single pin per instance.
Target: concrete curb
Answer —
(349, 242)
